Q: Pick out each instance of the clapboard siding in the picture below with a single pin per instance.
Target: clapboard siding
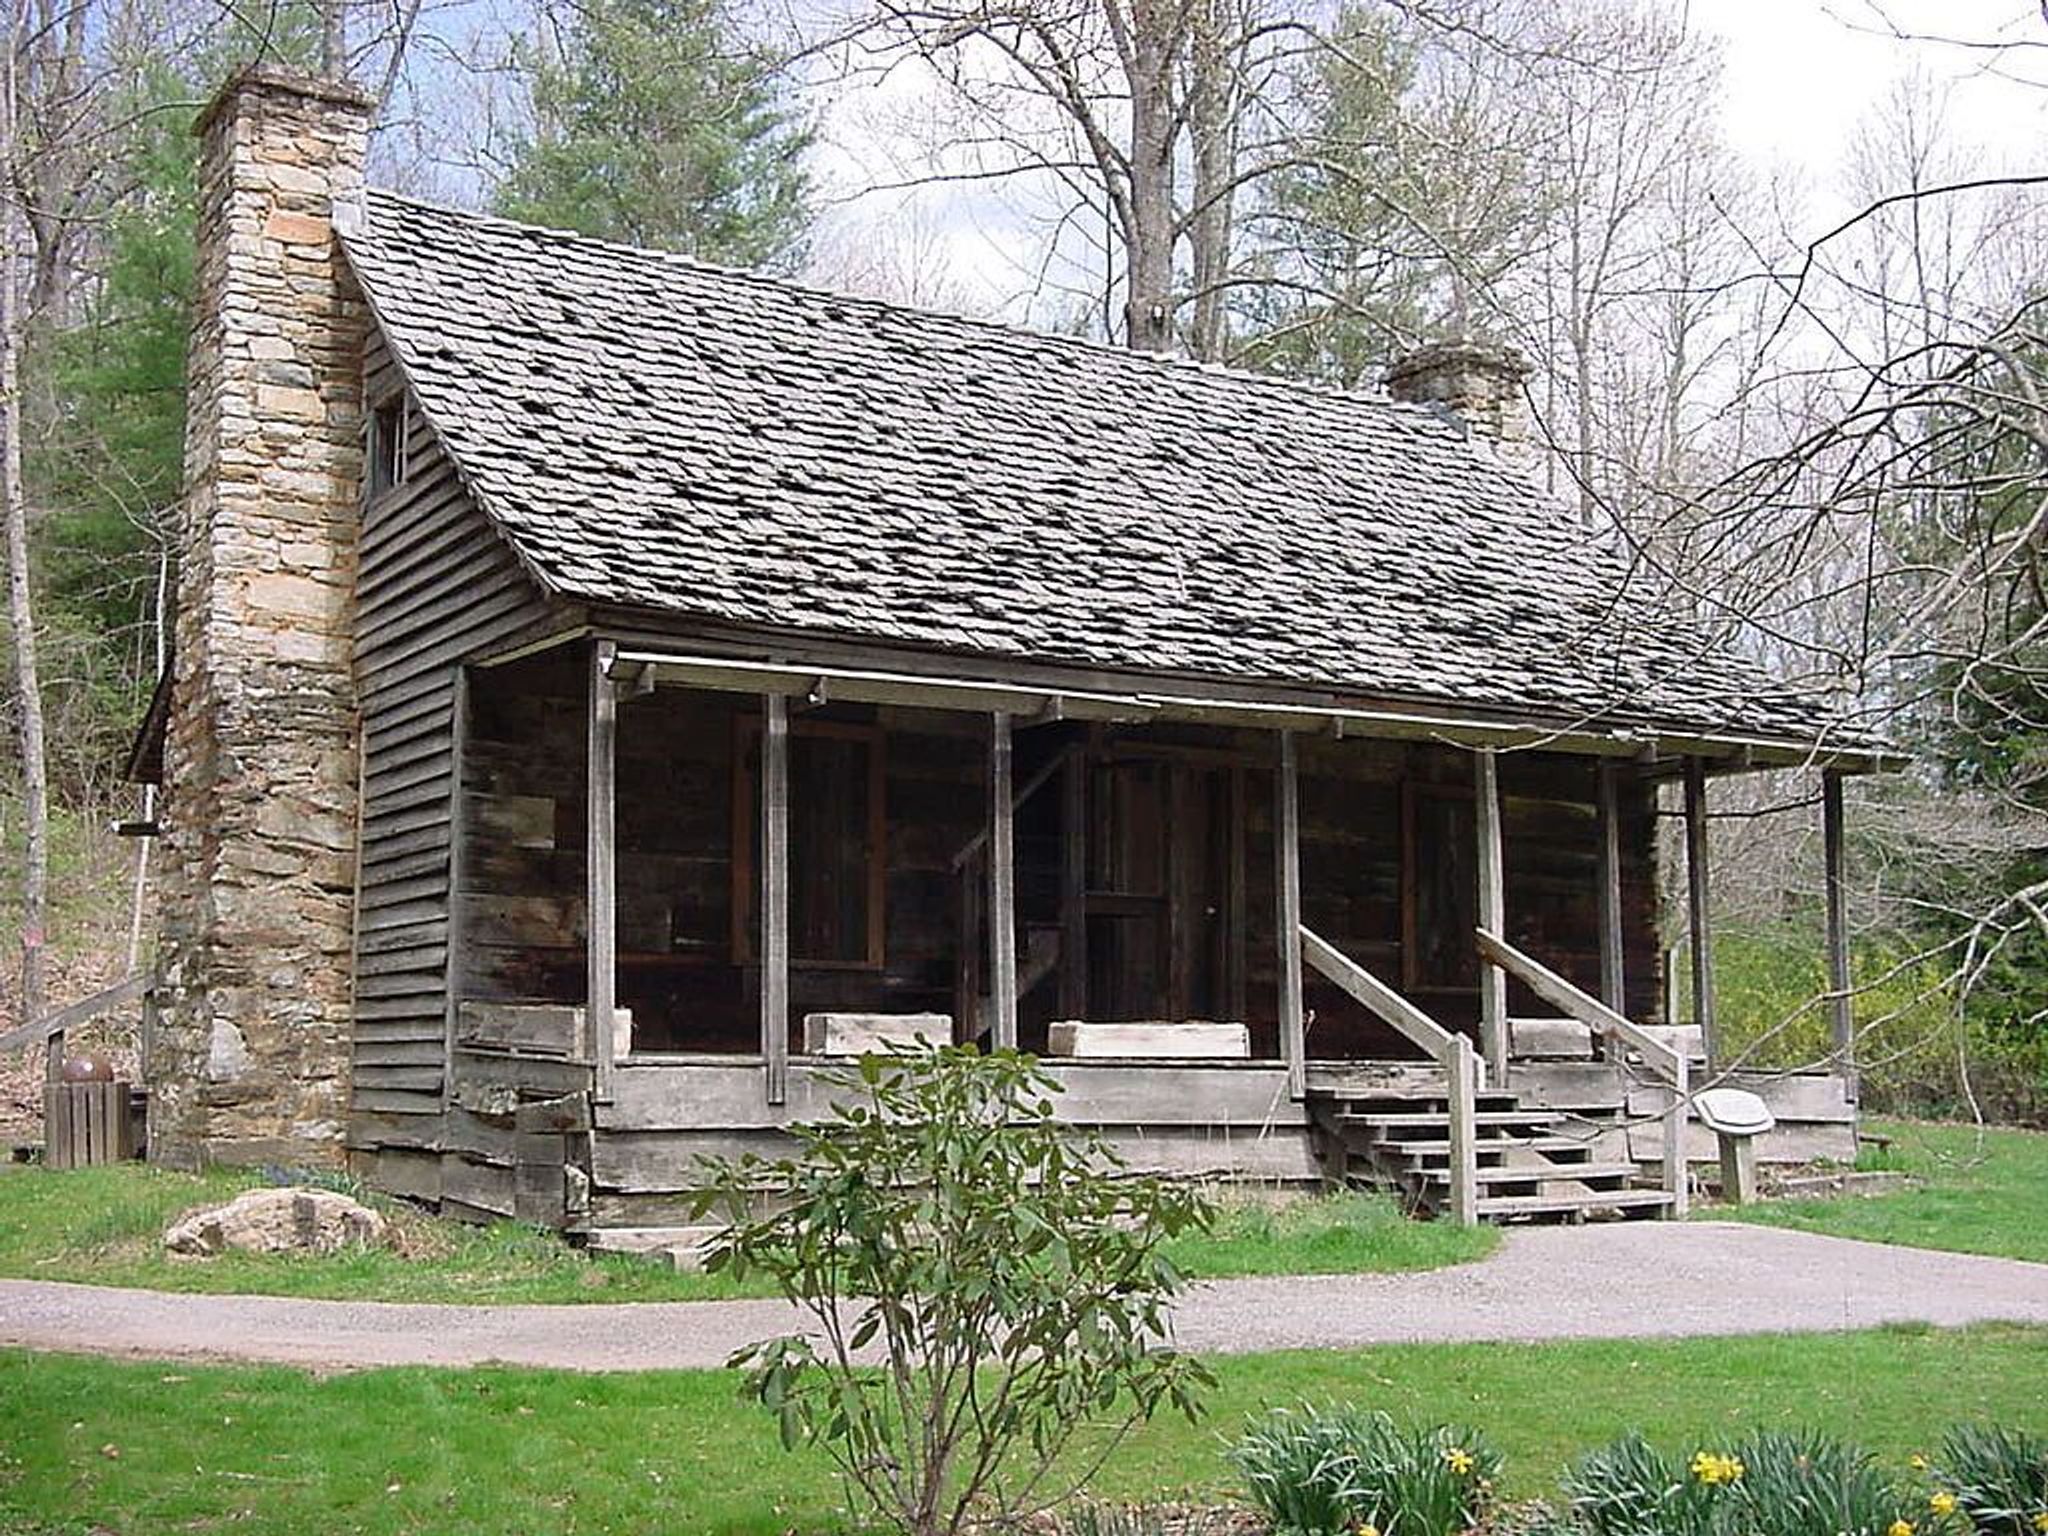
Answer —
(436, 587)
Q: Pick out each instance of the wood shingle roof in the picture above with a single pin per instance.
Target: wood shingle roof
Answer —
(656, 433)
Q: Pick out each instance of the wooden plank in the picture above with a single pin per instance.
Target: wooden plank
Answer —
(1287, 886)
(1834, 856)
(1002, 883)
(601, 857)
(1613, 943)
(1074, 1038)
(479, 1186)
(1549, 1040)
(129, 989)
(1586, 1086)
(1493, 981)
(1816, 1098)
(1698, 904)
(1074, 887)
(1584, 1007)
(713, 1095)
(1371, 993)
(1462, 1071)
(550, 1029)
(775, 897)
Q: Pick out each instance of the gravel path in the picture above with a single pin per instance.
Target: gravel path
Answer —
(1637, 1279)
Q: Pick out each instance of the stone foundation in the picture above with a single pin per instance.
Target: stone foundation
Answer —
(249, 1053)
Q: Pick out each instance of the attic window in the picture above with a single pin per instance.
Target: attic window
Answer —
(387, 446)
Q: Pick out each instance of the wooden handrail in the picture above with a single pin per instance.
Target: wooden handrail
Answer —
(1669, 1064)
(1031, 786)
(82, 1012)
(1377, 997)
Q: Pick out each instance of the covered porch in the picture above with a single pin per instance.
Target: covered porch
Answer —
(1333, 943)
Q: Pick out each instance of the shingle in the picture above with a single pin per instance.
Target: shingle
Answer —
(652, 431)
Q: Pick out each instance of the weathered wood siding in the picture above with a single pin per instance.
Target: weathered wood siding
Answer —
(437, 586)
(1232, 1122)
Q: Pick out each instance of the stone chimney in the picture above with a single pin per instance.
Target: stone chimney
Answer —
(248, 1054)
(1480, 383)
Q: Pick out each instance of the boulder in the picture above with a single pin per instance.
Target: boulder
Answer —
(278, 1221)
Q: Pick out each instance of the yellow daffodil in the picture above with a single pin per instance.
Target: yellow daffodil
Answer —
(2041, 1522)
(1917, 1462)
(1943, 1503)
(1716, 1471)
(1458, 1460)
(1366, 1530)
(1901, 1528)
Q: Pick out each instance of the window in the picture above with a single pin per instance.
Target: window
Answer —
(387, 446)
(837, 849)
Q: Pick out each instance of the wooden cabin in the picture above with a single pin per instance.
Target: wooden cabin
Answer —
(742, 674)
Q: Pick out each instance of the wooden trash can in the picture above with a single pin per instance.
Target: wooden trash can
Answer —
(87, 1123)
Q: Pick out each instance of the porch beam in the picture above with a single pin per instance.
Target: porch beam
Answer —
(1841, 1010)
(1697, 890)
(775, 896)
(601, 944)
(1002, 882)
(1287, 886)
(1493, 903)
(1613, 954)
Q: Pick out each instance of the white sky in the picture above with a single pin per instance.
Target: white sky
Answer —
(1801, 75)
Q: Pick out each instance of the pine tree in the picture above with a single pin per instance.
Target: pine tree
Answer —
(660, 126)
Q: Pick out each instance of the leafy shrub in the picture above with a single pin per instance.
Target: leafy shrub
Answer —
(1998, 1477)
(999, 1268)
(1327, 1471)
(1769, 1484)
(1770, 976)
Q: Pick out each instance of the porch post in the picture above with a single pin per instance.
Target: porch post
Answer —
(1841, 1012)
(601, 940)
(1002, 883)
(1696, 900)
(1074, 885)
(775, 896)
(1493, 981)
(1287, 885)
(1613, 956)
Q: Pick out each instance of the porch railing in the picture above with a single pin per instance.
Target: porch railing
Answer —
(1452, 1052)
(1669, 1065)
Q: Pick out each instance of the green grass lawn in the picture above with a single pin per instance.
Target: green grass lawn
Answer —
(102, 1226)
(1975, 1192)
(125, 1447)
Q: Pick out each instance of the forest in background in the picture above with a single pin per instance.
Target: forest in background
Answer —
(1819, 435)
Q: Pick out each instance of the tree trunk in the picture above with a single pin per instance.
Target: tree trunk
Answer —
(1148, 299)
(35, 860)
(1212, 132)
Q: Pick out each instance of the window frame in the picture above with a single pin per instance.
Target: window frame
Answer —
(385, 467)
(746, 887)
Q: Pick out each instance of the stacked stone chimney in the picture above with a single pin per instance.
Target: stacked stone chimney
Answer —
(1481, 383)
(248, 1056)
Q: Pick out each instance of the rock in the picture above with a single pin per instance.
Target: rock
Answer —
(278, 1221)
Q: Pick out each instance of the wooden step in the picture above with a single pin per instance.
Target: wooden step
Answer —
(1434, 1120)
(1505, 1207)
(1414, 1150)
(1523, 1173)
